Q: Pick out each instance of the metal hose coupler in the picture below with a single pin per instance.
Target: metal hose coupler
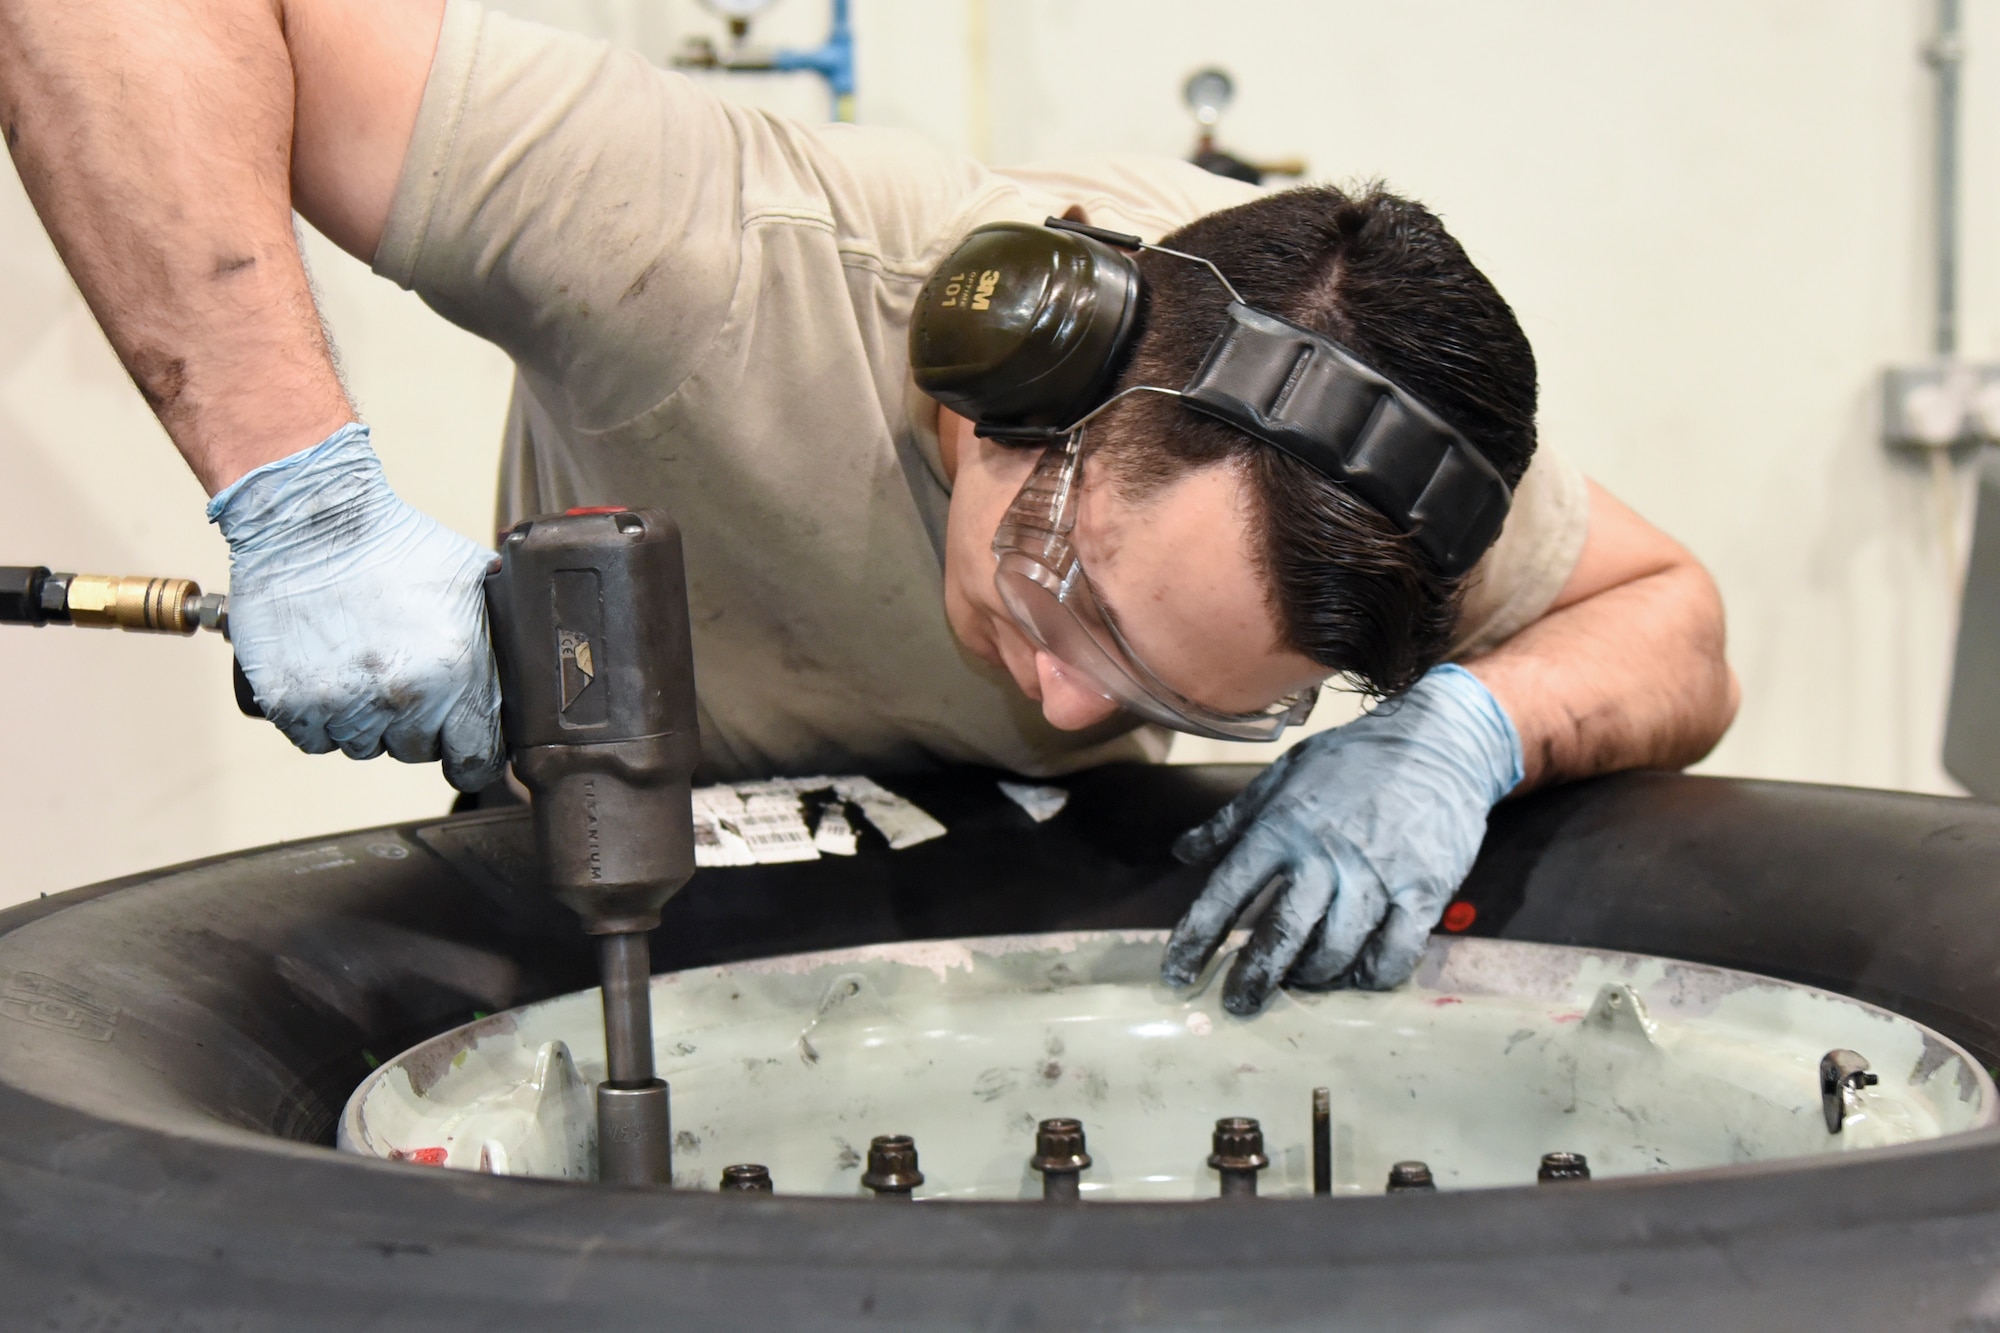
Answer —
(159, 606)
(34, 595)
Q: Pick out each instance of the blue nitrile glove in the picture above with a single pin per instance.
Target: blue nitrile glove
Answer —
(360, 622)
(1371, 826)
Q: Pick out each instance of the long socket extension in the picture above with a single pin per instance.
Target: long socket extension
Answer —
(635, 1129)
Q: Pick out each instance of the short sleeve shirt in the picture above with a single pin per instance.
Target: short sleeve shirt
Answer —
(708, 306)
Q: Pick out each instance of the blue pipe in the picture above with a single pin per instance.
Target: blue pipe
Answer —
(832, 61)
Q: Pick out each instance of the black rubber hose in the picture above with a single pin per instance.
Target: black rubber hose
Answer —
(21, 594)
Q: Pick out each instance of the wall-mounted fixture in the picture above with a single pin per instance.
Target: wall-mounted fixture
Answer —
(1947, 403)
(832, 60)
(1208, 93)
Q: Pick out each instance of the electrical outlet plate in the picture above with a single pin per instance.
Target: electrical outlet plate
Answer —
(1943, 405)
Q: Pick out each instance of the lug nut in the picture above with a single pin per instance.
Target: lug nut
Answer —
(1560, 1166)
(748, 1178)
(1407, 1177)
(892, 1166)
(1238, 1156)
(1060, 1157)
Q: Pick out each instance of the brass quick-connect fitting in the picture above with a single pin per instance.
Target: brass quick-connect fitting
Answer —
(35, 595)
(161, 606)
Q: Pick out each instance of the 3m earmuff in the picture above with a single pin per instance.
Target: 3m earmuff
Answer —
(1025, 327)
(1024, 330)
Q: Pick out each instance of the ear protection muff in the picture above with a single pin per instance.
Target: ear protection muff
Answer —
(1023, 331)
(1025, 327)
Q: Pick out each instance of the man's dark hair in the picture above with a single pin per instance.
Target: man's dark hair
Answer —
(1379, 275)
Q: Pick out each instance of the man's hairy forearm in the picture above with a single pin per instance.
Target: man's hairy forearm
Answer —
(1632, 677)
(156, 141)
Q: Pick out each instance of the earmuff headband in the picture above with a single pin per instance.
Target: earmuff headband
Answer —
(1301, 392)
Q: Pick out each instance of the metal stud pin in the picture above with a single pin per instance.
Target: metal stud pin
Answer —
(1322, 1142)
(892, 1166)
(1238, 1155)
(747, 1178)
(1410, 1177)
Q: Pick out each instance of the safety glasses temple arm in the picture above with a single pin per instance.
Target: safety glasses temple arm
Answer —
(1061, 436)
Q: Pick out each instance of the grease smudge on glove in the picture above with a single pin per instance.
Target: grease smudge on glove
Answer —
(1368, 830)
(360, 621)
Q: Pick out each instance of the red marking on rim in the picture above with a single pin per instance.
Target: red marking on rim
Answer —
(421, 1156)
(1443, 1000)
(1460, 916)
(593, 509)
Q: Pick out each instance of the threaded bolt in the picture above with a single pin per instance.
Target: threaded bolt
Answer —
(747, 1178)
(1322, 1121)
(1060, 1157)
(1238, 1155)
(1561, 1166)
(1407, 1177)
(892, 1166)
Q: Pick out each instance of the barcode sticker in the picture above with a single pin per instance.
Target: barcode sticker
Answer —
(775, 829)
(834, 835)
(718, 839)
(766, 823)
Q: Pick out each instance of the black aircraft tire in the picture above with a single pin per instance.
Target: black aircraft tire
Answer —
(174, 1046)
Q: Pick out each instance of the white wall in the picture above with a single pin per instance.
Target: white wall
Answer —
(1711, 216)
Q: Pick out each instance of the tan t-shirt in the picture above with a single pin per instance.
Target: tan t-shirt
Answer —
(708, 308)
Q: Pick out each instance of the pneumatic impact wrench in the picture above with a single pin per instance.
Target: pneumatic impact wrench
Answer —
(590, 629)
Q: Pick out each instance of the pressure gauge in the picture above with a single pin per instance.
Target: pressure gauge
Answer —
(1208, 93)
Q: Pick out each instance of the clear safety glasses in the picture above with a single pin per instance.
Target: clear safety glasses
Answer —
(1044, 586)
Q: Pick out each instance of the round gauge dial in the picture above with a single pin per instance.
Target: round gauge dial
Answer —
(1208, 93)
